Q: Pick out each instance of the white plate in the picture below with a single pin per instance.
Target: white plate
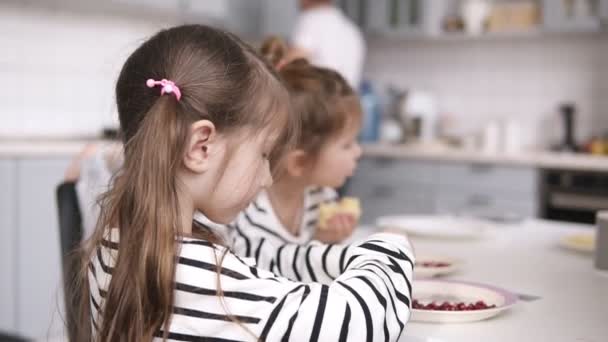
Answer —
(444, 227)
(429, 272)
(426, 291)
(582, 242)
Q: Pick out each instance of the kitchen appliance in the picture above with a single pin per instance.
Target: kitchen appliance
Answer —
(601, 244)
(575, 196)
(568, 114)
(419, 116)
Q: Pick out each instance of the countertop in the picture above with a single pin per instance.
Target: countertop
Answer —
(524, 258)
(56, 147)
(43, 148)
(540, 159)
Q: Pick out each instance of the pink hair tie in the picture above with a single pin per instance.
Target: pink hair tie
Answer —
(168, 87)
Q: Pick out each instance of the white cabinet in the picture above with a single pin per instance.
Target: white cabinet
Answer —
(8, 238)
(39, 267)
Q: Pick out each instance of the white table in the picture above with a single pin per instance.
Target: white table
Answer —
(525, 258)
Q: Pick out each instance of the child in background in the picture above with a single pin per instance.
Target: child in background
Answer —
(326, 153)
(203, 121)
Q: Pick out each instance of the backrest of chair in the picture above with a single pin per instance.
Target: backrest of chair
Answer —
(70, 233)
(70, 220)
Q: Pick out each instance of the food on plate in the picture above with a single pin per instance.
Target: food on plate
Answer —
(447, 306)
(433, 264)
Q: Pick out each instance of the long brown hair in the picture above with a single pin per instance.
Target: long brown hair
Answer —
(222, 80)
(321, 98)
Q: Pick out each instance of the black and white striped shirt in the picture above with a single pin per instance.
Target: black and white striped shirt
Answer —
(258, 233)
(368, 298)
(260, 218)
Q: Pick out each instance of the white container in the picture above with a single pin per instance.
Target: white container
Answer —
(433, 13)
(491, 138)
(390, 131)
(475, 13)
(512, 137)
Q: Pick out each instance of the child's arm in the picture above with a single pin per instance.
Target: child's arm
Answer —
(312, 262)
(369, 301)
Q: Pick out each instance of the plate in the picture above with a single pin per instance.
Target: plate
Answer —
(581, 242)
(427, 291)
(429, 266)
(442, 227)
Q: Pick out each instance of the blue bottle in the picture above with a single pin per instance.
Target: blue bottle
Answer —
(371, 113)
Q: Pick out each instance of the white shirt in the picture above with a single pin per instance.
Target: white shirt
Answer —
(332, 40)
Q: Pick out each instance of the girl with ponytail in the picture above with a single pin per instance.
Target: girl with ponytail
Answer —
(205, 122)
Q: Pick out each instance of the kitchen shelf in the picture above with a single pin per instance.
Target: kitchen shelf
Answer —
(491, 36)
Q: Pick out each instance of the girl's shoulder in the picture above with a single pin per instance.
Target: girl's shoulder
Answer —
(203, 256)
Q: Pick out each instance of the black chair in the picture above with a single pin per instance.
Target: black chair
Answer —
(70, 232)
(11, 338)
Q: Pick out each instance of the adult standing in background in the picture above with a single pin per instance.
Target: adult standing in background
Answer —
(327, 37)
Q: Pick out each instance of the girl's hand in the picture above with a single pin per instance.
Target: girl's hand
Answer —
(339, 228)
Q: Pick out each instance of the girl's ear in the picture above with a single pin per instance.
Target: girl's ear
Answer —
(200, 146)
(296, 163)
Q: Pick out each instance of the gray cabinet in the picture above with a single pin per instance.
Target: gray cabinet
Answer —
(8, 237)
(39, 257)
(572, 16)
(484, 189)
(388, 186)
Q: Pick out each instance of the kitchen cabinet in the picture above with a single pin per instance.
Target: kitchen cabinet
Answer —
(388, 186)
(40, 293)
(572, 16)
(399, 186)
(398, 17)
(485, 189)
(506, 180)
(423, 19)
(8, 237)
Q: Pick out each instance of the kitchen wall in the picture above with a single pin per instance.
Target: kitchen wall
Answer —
(518, 77)
(58, 68)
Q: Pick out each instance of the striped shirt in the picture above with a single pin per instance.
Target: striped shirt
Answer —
(258, 233)
(369, 298)
(260, 217)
